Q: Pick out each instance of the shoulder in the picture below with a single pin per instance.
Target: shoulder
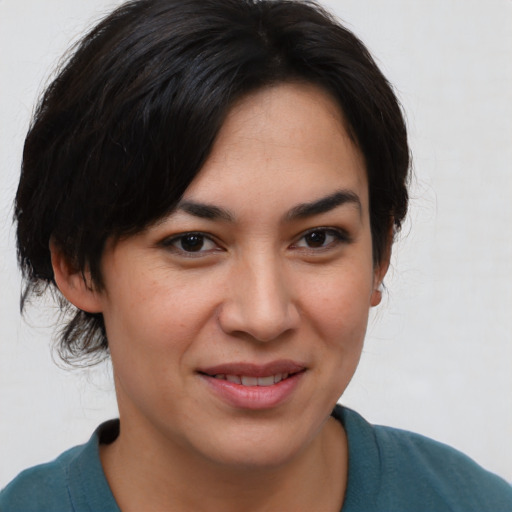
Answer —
(437, 469)
(75, 481)
(41, 488)
(411, 471)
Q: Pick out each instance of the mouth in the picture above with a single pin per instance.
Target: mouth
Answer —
(249, 374)
(247, 380)
(250, 386)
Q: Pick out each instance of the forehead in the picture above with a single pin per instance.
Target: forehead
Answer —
(282, 144)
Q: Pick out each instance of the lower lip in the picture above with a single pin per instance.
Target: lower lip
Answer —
(254, 397)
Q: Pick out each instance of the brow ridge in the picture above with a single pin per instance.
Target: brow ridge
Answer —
(300, 211)
(324, 205)
(205, 211)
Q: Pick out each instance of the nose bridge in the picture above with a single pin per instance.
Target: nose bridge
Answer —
(261, 301)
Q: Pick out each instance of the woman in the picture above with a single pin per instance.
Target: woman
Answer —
(213, 187)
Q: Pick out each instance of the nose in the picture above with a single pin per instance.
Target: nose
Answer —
(259, 302)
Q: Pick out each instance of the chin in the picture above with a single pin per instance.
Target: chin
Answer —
(258, 447)
(255, 457)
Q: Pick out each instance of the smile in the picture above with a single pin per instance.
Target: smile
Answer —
(246, 380)
(250, 386)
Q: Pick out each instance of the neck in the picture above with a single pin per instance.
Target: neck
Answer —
(146, 472)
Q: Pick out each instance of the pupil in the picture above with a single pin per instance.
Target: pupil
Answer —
(315, 239)
(192, 243)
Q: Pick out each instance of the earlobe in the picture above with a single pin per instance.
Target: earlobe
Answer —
(376, 297)
(74, 284)
(380, 272)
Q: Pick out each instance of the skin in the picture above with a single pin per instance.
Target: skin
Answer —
(260, 288)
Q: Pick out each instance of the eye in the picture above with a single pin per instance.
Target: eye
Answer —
(321, 238)
(191, 243)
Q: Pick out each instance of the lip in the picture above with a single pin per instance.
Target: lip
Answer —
(253, 397)
(254, 370)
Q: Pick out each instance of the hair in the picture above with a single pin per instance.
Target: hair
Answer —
(132, 115)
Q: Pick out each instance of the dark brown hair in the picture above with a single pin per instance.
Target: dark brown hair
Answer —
(130, 119)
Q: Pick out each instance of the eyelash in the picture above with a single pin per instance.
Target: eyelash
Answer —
(171, 243)
(338, 236)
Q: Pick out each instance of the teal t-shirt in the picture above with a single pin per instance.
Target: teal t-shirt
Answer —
(390, 470)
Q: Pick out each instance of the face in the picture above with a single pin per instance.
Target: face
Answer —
(236, 323)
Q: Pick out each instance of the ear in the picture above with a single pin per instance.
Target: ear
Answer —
(380, 271)
(74, 284)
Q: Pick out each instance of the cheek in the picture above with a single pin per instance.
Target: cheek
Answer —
(154, 321)
(338, 306)
(337, 313)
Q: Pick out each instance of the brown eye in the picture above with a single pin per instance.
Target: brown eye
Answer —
(315, 238)
(322, 238)
(192, 242)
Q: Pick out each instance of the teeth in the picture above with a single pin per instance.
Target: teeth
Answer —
(253, 381)
(249, 381)
(266, 381)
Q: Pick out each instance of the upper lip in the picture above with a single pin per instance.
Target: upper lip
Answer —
(254, 370)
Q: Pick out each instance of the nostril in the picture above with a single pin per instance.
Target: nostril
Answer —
(259, 305)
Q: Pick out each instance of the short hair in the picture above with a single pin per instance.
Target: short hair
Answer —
(132, 115)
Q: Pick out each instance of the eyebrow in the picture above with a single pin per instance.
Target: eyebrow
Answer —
(324, 205)
(205, 211)
(301, 211)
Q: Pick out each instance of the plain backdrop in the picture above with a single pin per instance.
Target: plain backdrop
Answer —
(438, 355)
